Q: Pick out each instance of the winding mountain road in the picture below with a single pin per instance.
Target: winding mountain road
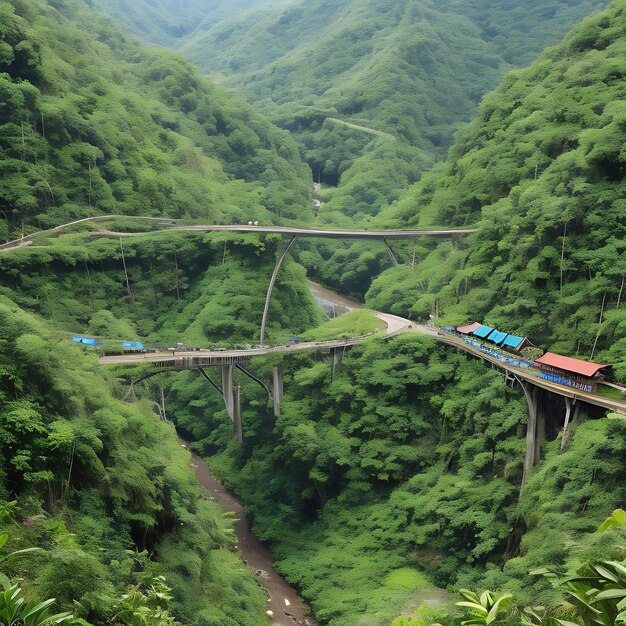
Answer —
(395, 326)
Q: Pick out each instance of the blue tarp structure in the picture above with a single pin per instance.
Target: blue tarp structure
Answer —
(134, 345)
(86, 341)
(497, 337)
(512, 341)
(483, 331)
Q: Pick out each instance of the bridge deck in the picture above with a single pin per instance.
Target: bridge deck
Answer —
(329, 233)
(168, 225)
(395, 325)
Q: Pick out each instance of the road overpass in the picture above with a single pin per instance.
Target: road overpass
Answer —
(166, 224)
(229, 360)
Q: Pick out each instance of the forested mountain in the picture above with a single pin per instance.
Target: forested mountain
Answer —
(165, 22)
(403, 463)
(541, 173)
(91, 123)
(392, 475)
(375, 89)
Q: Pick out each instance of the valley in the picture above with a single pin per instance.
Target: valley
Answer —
(365, 259)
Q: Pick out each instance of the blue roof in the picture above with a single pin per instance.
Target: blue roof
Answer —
(133, 344)
(513, 341)
(497, 337)
(483, 331)
(87, 341)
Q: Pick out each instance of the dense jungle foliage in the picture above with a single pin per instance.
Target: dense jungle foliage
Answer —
(375, 89)
(392, 476)
(541, 173)
(199, 290)
(395, 475)
(102, 485)
(91, 123)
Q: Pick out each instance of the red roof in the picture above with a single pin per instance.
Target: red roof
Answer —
(584, 368)
(468, 330)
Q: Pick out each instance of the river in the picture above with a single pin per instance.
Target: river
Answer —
(284, 606)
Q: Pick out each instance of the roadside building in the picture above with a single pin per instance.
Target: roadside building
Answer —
(571, 372)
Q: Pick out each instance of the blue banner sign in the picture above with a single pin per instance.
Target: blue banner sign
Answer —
(565, 381)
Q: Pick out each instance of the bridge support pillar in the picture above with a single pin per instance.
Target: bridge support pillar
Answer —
(532, 436)
(392, 254)
(569, 404)
(238, 426)
(232, 399)
(278, 389)
(270, 289)
(336, 355)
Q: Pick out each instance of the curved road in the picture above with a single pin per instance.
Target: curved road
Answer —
(170, 225)
(395, 326)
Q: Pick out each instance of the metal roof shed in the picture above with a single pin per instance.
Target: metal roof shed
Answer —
(86, 341)
(570, 365)
(497, 337)
(133, 344)
(515, 342)
(469, 329)
(483, 331)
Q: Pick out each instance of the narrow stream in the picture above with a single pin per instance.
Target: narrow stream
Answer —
(284, 606)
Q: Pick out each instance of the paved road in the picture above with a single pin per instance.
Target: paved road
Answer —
(395, 325)
(28, 239)
(529, 374)
(330, 233)
(170, 225)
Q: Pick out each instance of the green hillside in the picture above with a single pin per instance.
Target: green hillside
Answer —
(164, 22)
(91, 124)
(103, 486)
(395, 475)
(541, 172)
(392, 475)
(415, 70)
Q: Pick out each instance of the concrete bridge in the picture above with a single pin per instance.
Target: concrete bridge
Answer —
(292, 232)
(538, 392)
(229, 361)
(546, 400)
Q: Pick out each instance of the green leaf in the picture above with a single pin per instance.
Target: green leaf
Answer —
(501, 603)
(611, 593)
(41, 606)
(468, 595)
(474, 606)
(617, 566)
(605, 573)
